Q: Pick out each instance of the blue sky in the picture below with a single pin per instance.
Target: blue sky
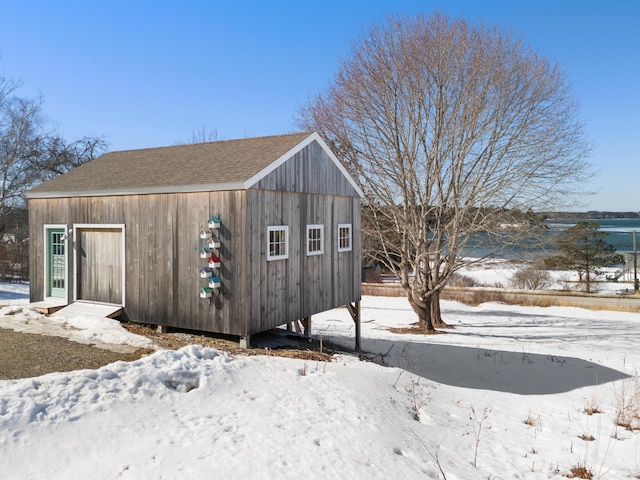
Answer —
(149, 73)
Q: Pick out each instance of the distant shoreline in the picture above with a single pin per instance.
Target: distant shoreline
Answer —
(591, 215)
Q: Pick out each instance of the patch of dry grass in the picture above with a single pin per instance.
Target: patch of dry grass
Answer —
(580, 471)
(628, 404)
(591, 407)
(177, 340)
(415, 330)
(533, 420)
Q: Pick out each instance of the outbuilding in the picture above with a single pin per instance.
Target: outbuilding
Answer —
(233, 237)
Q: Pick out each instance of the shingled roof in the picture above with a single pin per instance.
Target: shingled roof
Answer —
(223, 165)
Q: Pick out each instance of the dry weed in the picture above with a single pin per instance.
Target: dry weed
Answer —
(628, 403)
(592, 409)
(580, 472)
(591, 406)
(533, 420)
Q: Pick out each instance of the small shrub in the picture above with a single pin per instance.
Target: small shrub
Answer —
(481, 297)
(566, 282)
(591, 406)
(420, 396)
(479, 431)
(580, 472)
(628, 404)
(533, 420)
(373, 275)
(458, 280)
(591, 409)
(531, 278)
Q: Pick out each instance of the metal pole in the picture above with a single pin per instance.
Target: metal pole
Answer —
(635, 264)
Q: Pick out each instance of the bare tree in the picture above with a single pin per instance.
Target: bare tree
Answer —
(58, 156)
(30, 150)
(449, 127)
(201, 135)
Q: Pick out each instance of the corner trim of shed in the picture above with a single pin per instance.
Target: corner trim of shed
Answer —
(310, 139)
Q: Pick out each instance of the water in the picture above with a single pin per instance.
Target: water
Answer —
(620, 231)
(619, 234)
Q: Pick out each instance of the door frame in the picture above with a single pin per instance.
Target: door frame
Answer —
(97, 226)
(46, 294)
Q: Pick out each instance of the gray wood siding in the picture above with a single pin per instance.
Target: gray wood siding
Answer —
(301, 285)
(309, 171)
(41, 212)
(162, 261)
(162, 246)
(99, 265)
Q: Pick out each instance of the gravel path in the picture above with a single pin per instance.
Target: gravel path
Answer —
(28, 355)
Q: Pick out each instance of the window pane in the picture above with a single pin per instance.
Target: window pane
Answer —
(277, 244)
(344, 237)
(314, 239)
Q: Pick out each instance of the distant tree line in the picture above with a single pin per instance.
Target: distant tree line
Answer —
(591, 215)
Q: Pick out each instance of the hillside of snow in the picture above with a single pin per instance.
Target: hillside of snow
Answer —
(503, 395)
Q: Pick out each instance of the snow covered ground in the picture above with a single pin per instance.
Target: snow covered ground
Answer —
(498, 273)
(503, 396)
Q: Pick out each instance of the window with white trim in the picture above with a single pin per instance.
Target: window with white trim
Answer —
(315, 239)
(344, 237)
(278, 242)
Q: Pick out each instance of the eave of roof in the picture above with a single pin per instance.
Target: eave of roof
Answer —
(205, 187)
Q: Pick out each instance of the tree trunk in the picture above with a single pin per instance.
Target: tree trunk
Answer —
(424, 313)
(436, 315)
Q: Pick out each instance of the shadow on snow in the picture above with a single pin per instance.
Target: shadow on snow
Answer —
(485, 369)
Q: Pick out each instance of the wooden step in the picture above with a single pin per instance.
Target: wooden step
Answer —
(48, 307)
(88, 309)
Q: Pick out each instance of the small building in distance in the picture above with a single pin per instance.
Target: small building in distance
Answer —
(233, 237)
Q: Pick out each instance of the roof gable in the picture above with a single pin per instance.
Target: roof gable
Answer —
(310, 169)
(224, 165)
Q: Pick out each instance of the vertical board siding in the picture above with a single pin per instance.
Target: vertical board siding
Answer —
(309, 171)
(162, 246)
(162, 261)
(41, 212)
(294, 288)
(99, 270)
